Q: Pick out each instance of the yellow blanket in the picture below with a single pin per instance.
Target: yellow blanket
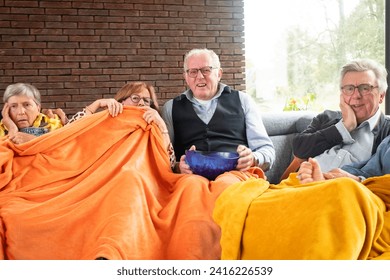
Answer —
(102, 187)
(334, 219)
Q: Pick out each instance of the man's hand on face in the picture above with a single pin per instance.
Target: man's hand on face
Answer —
(349, 117)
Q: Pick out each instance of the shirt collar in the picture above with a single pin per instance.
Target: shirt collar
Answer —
(190, 96)
(373, 120)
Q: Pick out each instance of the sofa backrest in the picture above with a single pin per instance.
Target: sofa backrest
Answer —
(281, 128)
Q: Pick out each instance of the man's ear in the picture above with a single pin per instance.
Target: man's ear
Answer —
(381, 97)
(220, 71)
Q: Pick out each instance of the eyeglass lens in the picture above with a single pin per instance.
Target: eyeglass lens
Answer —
(193, 72)
(136, 99)
(363, 89)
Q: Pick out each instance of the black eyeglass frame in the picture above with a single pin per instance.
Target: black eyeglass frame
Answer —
(206, 71)
(351, 89)
(135, 98)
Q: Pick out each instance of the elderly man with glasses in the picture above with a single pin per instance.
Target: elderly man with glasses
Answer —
(211, 116)
(337, 138)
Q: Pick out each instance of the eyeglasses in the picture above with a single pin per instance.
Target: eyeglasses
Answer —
(364, 89)
(136, 99)
(206, 71)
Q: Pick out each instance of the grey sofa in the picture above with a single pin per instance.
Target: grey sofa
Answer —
(281, 127)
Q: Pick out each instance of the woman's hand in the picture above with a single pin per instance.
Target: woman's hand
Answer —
(20, 137)
(51, 113)
(114, 107)
(151, 115)
(7, 121)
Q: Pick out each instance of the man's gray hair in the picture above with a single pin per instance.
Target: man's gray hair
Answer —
(211, 53)
(365, 64)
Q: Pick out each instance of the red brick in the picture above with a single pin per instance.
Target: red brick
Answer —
(63, 65)
(51, 58)
(22, 3)
(27, 11)
(55, 4)
(31, 52)
(28, 45)
(48, 38)
(119, 71)
(111, 32)
(78, 19)
(78, 51)
(96, 78)
(11, 34)
(55, 72)
(30, 79)
(114, 39)
(91, 51)
(79, 58)
(83, 38)
(59, 51)
(61, 11)
(82, 72)
(105, 65)
(93, 25)
(27, 24)
(86, 5)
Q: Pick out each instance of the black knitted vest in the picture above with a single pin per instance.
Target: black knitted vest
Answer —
(225, 131)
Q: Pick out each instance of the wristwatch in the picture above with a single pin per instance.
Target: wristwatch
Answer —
(256, 161)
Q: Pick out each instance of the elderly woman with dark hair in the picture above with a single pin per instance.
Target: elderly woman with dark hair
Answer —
(22, 120)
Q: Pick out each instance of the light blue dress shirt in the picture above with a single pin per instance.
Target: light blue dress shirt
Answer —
(356, 146)
(377, 165)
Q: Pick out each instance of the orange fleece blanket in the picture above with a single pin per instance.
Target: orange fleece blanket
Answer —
(102, 187)
(334, 219)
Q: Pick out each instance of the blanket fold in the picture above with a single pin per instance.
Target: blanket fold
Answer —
(103, 187)
(333, 219)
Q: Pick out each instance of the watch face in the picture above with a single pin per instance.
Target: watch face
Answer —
(265, 166)
(256, 160)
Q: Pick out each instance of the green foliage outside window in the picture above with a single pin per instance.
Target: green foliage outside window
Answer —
(313, 61)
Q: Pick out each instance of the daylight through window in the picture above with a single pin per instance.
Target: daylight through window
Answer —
(294, 49)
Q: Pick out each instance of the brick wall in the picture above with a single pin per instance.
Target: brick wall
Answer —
(77, 51)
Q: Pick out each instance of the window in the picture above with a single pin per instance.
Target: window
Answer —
(295, 49)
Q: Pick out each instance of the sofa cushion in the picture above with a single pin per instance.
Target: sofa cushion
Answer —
(281, 128)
